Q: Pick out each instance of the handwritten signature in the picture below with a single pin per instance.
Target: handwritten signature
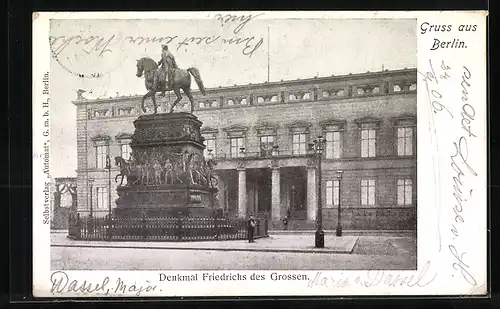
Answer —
(240, 21)
(91, 44)
(98, 45)
(462, 153)
(462, 168)
(61, 283)
(460, 265)
(459, 160)
(421, 278)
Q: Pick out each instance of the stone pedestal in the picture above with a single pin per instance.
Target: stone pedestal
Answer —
(168, 174)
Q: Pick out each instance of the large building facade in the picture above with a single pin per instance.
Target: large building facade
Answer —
(259, 134)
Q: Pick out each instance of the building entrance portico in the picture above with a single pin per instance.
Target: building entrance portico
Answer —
(265, 192)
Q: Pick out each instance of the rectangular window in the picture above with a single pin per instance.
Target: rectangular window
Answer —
(405, 141)
(299, 144)
(332, 193)
(266, 145)
(102, 198)
(368, 192)
(333, 145)
(209, 145)
(368, 142)
(404, 191)
(101, 152)
(126, 151)
(236, 144)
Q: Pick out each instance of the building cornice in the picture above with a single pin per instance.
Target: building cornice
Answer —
(333, 122)
(299, 124)
(124, 135)
(208, 130)
(101, 137)
(266, 125)
(286, 83)
(62, 179)
(405, 116)
(236, 128)
(367, 119)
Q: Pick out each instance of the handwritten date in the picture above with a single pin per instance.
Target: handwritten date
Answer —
(432, 81)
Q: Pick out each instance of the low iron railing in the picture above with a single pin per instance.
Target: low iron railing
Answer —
(178, 228)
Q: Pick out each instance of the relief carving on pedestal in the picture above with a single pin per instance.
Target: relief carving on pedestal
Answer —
(155, 167)
(156, 134)
(175, 131)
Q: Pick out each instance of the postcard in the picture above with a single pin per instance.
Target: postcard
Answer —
(258, 153)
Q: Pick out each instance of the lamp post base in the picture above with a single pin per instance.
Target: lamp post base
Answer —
(319, 239)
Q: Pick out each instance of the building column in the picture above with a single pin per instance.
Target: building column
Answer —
(221, 192)
(275, 194)
(242, 193)
(312, 203)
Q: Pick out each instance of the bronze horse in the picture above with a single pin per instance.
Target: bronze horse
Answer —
(181, 80)
(131, 172)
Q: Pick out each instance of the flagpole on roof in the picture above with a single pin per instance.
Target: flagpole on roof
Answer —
(268, 49)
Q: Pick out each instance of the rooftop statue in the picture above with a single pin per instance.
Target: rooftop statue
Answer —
(79, 94)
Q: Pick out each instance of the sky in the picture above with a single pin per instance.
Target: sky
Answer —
(294, 49)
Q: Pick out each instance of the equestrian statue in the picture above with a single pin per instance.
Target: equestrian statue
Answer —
(167, 77)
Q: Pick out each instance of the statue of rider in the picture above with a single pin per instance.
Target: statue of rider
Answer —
(168, 65)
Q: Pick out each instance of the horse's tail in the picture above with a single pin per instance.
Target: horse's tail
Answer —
(197, 77)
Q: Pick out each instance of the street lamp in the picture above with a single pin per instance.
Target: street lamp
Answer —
(108, 167)
(242, 151)
(317, 147)
(210, 163)
(338, 231)
(91, 189)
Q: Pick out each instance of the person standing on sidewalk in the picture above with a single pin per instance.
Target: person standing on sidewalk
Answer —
(250, 228)
(287, 218)
(285, 223)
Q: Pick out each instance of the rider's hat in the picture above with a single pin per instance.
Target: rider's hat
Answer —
(163, 46)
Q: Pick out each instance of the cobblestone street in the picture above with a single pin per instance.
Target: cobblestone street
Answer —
(369, 252)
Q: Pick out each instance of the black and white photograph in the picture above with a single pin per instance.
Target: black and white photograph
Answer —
(247, 146)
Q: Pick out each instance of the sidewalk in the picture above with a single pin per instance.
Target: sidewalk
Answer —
(273, 243)
(390, 233)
